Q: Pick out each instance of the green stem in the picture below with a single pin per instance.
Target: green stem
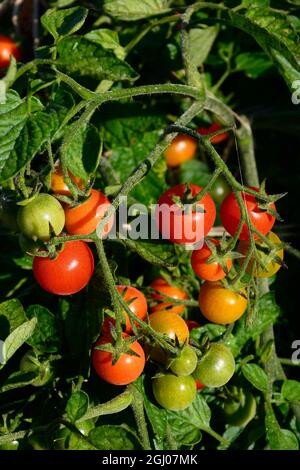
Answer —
(288, 362)
(137, 406)
(217, 436)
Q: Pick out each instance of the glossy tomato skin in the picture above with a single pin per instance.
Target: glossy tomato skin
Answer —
(185, 363)
(162, 287)
(219, 304)
(58, 185)
(181, 149)
(230, 215)
(170, 324)
(208, 271)
(174, 393)
(69, 272)
(216, 367)
(136, 302)
(40, 216)
(219, 190)
(180, 227)
(84, 218)
(271, 266)
(126, 370)
(217, 139)
(8, 48)
(240, 413)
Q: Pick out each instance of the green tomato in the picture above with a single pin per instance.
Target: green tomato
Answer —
(186, 363)
(13, 445)
(44, 370)
(240, 412)
(174, 393)
(216, 367)
(40, 216)
(219, 190)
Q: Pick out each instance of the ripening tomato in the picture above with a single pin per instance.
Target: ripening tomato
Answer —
(231, 215)
(41, 216)
(69, 272)
(136, 302)
(174, 393)
(271, 266)
(8, 48)
(203, 269)
(180, 222)
(216, 367)
(185, 363)
(127, 368)
(84, 218)
(217, 139)
(219, 304)
(58, 185)
(181, 149)
(162, 287)
(170, 324)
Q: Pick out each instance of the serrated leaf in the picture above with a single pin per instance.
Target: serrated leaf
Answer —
(201, 41)
(108, 39)
(291, 390)
(12, 315)
(109, 437)
(77, 405)
(84, 152)
(18, 337)
(61, 23)
(279, 439)
(82, 57)
(194, 171)
(46, 337)
(18, 379)
(253, 64)
(23, 131)
(132, 10)
(256, 376)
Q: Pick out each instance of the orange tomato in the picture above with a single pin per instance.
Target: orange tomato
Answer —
(162, 287)
(84, 218)
(170, 324)
(203, 269)
(181, 149)
(219, 304)
(58, 185)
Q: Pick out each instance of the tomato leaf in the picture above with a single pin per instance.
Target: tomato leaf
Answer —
(253, 64)
(17, 379)
(256, 376)
(61, 23)
(158, 254)
(113, 438)
(291, 390)
(201, 41)
(77, 405)
(194, 171)
(18, 337)
(80, 56)
(108, 39)
(12, 315)
(131, 10)
(279, 439)
(47, 335)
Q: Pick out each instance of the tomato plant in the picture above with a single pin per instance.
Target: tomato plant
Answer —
(69, 272)
(104, 125)
(221, 305)
(160, 286)
(185, 225)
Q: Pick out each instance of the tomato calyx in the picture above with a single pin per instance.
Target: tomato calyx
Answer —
(118, 346)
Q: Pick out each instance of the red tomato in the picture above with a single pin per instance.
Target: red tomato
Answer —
(203, 269)
(8, 48)
(181, 226)
(199, 385)
(69, 272)
(84, 218)
(217, 139)
(58, 184)
(126, 370)
(136, 302)
(191, 324)
(181, 149)
(230, 215)
(161, 286)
